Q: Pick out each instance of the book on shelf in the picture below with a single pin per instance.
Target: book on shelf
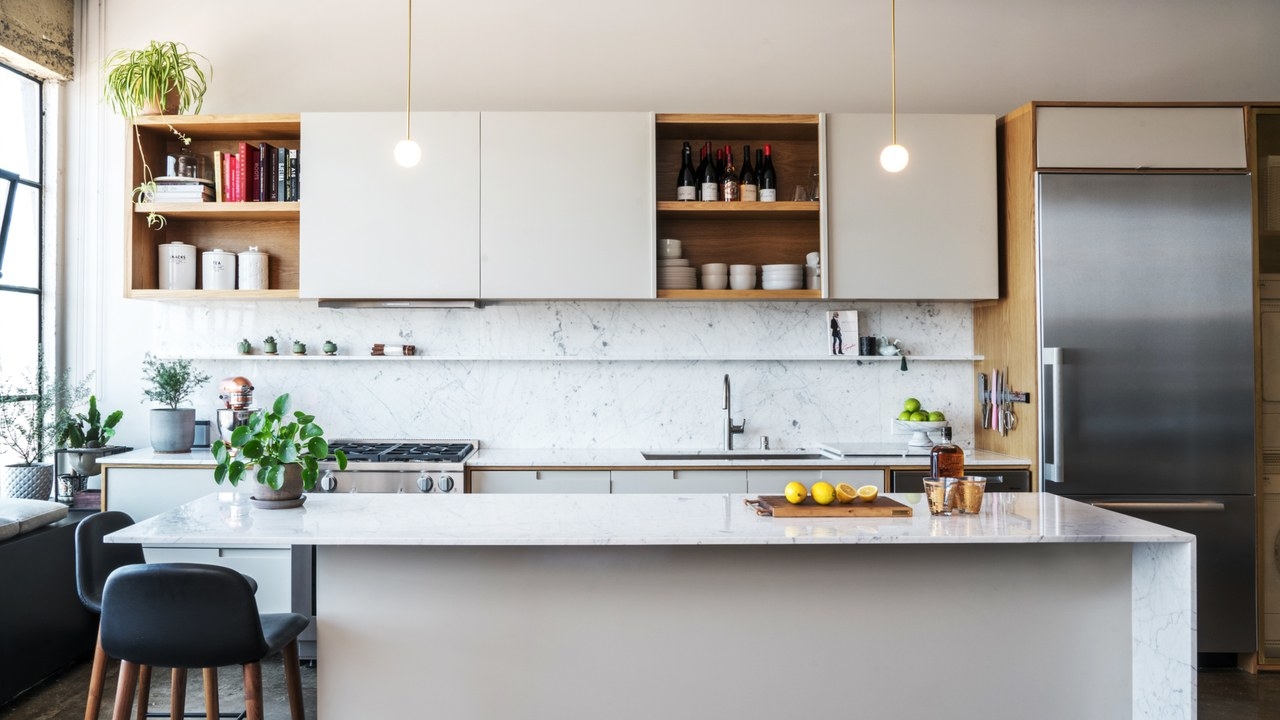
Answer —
(280, 191)
(248, 173)
(262, 172)
(218, 174)
(295, 186)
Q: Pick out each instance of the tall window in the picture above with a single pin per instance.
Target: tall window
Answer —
(21, 229)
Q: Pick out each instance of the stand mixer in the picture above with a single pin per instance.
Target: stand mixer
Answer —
(236, 393)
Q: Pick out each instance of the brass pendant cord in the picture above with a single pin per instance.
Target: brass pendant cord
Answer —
(408, 90)
(893, 71)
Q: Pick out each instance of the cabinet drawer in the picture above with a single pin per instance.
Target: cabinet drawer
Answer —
(143, 492)
(269, 567)
(540, 481)
(1138, 137)
(997, 480)
(679, 481)
(772, 482)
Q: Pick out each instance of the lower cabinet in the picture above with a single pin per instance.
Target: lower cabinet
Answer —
(998, 480)
(143, 492)
(679, 481)
(772, 482)
(540, 481)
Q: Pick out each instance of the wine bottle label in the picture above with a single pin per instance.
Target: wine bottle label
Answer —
(768, 195)
(687, 192)
(748, 193)
(710, 191)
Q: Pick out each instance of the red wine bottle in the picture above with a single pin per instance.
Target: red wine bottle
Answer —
(686, 181)
(729, 179)
(702, 167)
(768, 178)
(747, 186)
(709, 180)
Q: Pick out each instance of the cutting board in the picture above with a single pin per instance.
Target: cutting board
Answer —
(777, 506)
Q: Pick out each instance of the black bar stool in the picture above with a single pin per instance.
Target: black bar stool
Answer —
(187, 615)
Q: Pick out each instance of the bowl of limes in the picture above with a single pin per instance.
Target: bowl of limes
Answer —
(915, 418)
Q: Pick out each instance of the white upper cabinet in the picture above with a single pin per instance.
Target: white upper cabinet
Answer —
(926, 233)
(373, 229)
(1140, 137)
(567, 206)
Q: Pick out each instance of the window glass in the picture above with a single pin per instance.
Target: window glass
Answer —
(22, 250)
(19, 124)
(21, 336)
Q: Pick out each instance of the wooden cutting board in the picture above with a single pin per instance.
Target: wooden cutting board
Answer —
(777, 506)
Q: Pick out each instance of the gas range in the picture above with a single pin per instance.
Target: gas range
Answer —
(397, 466)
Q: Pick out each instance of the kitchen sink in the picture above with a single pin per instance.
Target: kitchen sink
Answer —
(795, 454)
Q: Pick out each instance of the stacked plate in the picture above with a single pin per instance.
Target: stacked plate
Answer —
(676, 274)
(782, 277)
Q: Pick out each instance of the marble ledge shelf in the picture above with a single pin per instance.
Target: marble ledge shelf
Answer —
(593, 358)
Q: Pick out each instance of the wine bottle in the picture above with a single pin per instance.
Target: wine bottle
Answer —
(719, 164)
(702, 167)
(686, 181)
(709, 180)
(768, 178)
(747, 180)
(729, 179)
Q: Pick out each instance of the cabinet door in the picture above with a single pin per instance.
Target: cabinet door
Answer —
(772, 482)
(540, 481)
(1140, 137)
(373, 229)
(679, 481)
(568, 205)
(270, 567)
(143, 492)
(926, 233)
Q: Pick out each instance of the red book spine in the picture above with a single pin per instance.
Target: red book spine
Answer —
(233, 179)
(226, 177)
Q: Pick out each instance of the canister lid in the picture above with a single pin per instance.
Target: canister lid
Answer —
(216, 252)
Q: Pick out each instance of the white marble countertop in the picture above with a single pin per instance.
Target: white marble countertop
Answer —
(509, 458)
(226, 519)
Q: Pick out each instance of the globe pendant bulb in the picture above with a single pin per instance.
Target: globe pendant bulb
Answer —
(408, 153)
(893, 158)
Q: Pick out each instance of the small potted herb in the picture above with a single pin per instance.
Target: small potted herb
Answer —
(170, 383)
(84, 437)
(283, 451)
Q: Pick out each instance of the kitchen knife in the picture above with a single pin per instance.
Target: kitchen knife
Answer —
(986, 400)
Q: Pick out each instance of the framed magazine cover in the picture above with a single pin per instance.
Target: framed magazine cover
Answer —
(842, 332)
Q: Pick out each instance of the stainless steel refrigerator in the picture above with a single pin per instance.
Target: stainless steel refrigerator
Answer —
(1147, 355)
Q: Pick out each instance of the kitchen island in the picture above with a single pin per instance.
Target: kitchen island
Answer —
(692, 606)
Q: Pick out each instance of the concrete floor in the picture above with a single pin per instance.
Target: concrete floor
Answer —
(1224, 695)
(63, 698)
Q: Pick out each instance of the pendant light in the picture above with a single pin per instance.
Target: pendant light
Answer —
(894, 157)
(407, 152)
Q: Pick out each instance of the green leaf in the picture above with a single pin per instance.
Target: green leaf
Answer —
(318, 447)
(274, 475)
(281, 405)
(252, 449)
(220, 453)
(311, 431)
(303, 418)
(237, 472)
(256, 421)
(241, 435)
(289, 453)
(220, 473)
(342, 459)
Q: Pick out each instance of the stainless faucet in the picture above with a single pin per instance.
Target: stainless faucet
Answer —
(729, 428)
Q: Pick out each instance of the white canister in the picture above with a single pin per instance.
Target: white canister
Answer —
(253, 269)
(218, 270)
(177, 266)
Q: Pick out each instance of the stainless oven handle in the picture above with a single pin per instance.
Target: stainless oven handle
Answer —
(1190, 506)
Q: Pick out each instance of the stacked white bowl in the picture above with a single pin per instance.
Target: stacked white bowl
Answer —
(674, 272)
(715, 276)
(812, 271)
(742, 277)
(782, 277)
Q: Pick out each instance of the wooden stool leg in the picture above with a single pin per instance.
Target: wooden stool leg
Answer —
(253, 691)
(97, 677)
(211, 693)
(144, 691)
(124, 690)
(177, 693)
(293, 681)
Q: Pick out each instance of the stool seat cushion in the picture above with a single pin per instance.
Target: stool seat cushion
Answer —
(19, 516)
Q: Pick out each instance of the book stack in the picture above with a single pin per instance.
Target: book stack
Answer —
(170, 189)
(258, 172)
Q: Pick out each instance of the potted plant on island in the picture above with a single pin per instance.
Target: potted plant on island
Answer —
(286, 452)
(173, 429)
(29, 426)
(84, 438)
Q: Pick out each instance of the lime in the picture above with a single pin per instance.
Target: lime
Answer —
(795, 492)
(904, 415)
(937, 416)
(911, 405)
(918, 416)
(823, 493)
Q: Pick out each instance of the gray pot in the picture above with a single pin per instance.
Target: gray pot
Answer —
(84, 461)
(288, 496)
(30, 482)
(173, 430)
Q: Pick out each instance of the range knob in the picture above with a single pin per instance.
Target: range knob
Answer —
(424, 482)
(445, 484)
(327, 482)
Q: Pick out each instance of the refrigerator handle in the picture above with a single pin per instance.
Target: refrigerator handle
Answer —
(1185, 506)
(1051, 454)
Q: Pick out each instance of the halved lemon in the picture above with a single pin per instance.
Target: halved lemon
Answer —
(867, 493)
(796, 492)
(845, 493)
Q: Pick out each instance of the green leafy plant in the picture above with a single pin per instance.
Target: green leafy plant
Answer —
(171, 381)
(141, 79)
(270, 441)
(88, 430)
(29, 419)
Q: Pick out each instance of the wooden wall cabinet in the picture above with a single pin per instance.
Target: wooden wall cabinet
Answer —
(1132, 137)
(374, 229)
(928, 232)
(270, 226)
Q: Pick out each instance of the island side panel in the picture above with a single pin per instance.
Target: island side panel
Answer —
(471, 633)
(1164, 631)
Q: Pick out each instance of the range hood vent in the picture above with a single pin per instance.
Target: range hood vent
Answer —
(392, 303)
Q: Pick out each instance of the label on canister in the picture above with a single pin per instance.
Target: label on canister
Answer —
(218, 270)
(176, 266)
(253, 269)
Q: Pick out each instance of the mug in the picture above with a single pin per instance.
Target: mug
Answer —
(867, 345)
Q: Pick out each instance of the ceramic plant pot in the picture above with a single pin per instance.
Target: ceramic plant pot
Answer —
(29, 482)
(288, 496)
(173, 430)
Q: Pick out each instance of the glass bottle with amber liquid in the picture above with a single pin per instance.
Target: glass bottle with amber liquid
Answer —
(946, 459)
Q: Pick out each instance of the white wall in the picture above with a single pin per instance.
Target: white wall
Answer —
(666, 55)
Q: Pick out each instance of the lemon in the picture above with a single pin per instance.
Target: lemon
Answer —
(796, 492)
(911, 405)
(845, 493)
(823, 493)
(867, 493)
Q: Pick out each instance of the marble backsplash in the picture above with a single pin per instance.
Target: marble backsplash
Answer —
(569, 374)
